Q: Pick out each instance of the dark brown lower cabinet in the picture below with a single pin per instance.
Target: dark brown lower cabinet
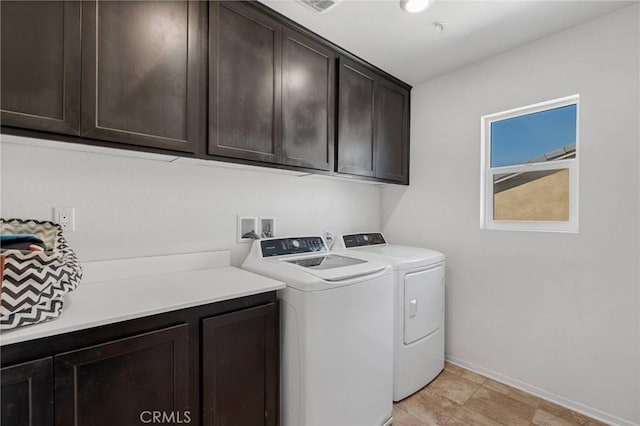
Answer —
(124, 382)
(239, 361)
(27, 394)
(215, 364)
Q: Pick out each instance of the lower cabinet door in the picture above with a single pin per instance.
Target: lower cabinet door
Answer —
(136, 380)
(240, 367)
(27, 394)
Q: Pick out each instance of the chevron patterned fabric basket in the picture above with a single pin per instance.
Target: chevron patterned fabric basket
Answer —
(34, 283)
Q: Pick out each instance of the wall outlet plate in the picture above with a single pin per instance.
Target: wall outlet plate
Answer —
(267, 227)
(246, 225)
(65, 217)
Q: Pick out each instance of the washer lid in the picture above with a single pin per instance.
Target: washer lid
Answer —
(329, 261)
(332, 269)
(308, 266)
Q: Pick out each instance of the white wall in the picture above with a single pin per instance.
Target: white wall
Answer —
(128, 207)
(555, 313)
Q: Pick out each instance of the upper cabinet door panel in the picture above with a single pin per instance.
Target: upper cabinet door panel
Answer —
(308, 102)
(140, 73)
(355, 119)
(392, 127)
(40, 54)
(244, 83)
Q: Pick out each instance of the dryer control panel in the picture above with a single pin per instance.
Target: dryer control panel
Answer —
(363, 240)
(296, 245)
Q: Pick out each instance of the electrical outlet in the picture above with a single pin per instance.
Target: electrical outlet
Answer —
(65, 217)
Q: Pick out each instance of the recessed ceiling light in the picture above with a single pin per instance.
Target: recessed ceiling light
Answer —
(414, 6)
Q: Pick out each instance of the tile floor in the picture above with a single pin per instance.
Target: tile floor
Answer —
(459, 397)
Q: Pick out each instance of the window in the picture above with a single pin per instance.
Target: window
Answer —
(529, 172)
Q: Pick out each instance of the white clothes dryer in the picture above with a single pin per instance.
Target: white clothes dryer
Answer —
(418, 341)
(336, 328)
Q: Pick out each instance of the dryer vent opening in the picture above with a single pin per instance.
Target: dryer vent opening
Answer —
(321, 6)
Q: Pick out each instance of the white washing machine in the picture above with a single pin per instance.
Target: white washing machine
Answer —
(336, 332)
(418, 341)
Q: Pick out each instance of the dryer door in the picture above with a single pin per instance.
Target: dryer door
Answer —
(423, 303)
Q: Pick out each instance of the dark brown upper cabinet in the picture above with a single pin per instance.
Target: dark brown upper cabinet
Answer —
(40, 56)
(308, 102)
(245, 72)
(391, 131)
(356, 142)
(373, 124)
(27, 394)
(271, 90)
(114, 382)
(140, 73)
(228, 80)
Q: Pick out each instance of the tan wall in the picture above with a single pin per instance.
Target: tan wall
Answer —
(546, 198)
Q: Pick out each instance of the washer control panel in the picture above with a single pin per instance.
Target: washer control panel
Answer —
(363, 240)
(285, 246)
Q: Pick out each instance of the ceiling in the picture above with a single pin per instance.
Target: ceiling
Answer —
(409, 46)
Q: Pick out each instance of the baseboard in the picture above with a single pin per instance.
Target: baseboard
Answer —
(551, 397)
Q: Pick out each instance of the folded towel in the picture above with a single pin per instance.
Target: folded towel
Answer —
(21, 242)
(10, 237)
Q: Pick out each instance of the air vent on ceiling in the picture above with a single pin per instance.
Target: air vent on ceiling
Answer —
(321, 6)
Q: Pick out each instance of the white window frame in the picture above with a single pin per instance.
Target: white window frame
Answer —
(487, 172)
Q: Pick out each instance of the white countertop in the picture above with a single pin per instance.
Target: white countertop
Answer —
(104, 302)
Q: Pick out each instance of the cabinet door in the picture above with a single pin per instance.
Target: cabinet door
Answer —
(120, 382)
(245, 75)
(27, 394)
(140, 72)
(356, 144)
(240, 367)
(308, 102)
(391, 131)
(40, 56)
